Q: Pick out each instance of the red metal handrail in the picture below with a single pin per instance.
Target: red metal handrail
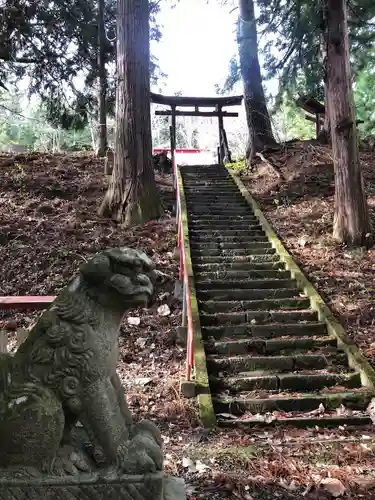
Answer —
(184, 275)
(20, 302)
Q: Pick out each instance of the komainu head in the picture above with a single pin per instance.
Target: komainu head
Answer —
(121, 277)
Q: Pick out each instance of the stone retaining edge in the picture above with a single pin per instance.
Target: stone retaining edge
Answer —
(355, 358)
(206, 409)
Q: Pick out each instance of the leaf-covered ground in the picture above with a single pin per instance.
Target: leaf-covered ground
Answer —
(300, 206)
(48, 227)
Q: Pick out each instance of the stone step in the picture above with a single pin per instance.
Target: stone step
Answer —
(219, 306)
(257, 317)
(202, 204)
(207, 179)
(213, 231)
(236, 248)
(223, 197)
(244, 284)
(224, 259)
(304, 382)
(211, 190)
(238, 265)
(245, 275)
(294, 419)
(356, 400)
(215, 212)
(266, 331)
(249, 218)
(224, 223)
(229, 235)
(241, 294)
(220, 225)
(212, 185)
(231, 209)
(267, 346)
(254, 236)
(279, 364)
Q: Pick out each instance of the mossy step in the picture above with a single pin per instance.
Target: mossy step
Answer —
(264, 346)
(206, 179)
(203, 176)
(213, 231)
(207, 183)
(230, 209)
(222, 223)
(222, 226)
(237, 406)
(222, 199)
(218, 306)
(203, 204)
(272, 330)
(244, 284)
(223, 188)
(247, 363)
(244, 246)
(236, 265)
(254, 258)
(268, 381)
(256, 236)
(241, 294)
(260, 317)
(334, 361)
(224, 236)
(212, 219)
(219, 212)
(222, 195)
(251, 274)
(295, 421)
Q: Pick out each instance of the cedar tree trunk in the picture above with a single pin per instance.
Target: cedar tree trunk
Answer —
(102, 82)
(351, 221)
(132, 195)
(258, 119)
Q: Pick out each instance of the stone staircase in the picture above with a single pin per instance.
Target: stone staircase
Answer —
(269, 359)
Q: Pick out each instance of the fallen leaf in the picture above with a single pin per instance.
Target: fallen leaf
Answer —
(164, 310)
(189, 464)
(141, 342)
(371, 410)
(134, 321)
(333, 486)
(143, 381)
(201, 467)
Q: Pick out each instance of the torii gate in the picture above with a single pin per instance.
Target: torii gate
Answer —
(199, 102)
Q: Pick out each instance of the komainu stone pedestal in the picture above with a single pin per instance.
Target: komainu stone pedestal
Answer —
(100, 486)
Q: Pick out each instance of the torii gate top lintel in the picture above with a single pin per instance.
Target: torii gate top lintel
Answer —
(216, 102)
(201, 102)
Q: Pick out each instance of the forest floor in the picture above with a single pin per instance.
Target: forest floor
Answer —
(49, 226)
(300, 207)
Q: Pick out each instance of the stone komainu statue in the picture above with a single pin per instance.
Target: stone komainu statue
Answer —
(64, 373)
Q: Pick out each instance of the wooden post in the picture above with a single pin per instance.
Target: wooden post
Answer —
(221, 127)
(173, 132)
(318, 125)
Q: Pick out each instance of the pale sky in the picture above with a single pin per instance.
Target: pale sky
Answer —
(197, 43)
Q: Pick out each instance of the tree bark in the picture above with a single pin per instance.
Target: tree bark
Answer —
(351, 220)
(102, 82)
(258, 119)
(132, 195)
(325, 134)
